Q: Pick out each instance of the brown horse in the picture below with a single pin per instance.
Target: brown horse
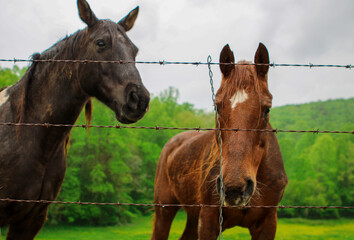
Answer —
(32, 159)
(253, 171)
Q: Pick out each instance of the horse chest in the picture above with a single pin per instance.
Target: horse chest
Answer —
(28, 169)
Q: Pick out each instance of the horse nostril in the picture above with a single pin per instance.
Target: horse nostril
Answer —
(249, 187)
(134, 97)
(133, 100)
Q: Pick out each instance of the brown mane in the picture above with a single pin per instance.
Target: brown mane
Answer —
(244, 76)
(210, 164)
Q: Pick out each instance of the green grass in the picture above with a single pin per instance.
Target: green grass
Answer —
(141, 229)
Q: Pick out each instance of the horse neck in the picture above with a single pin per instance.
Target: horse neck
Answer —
(52, 94)
(55, 95)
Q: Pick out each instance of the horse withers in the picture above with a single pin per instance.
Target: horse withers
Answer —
(32, 159)
(253, 171)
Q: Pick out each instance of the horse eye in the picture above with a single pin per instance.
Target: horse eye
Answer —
(266, 111)
(100, 43)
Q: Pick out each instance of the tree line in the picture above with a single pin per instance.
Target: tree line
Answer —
(320, 167)
(118, 165)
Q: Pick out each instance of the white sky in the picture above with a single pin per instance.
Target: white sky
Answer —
(294, 31)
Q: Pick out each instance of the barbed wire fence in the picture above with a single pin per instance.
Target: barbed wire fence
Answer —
(161, 128)
(167, 205)
(164, 62)
(218, 129)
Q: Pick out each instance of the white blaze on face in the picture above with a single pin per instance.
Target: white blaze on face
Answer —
(239, 97)
(3, 96)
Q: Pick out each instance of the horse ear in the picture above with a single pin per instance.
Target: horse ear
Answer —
(226, 56)
(128, 21)
(262, 57)
(86, 13)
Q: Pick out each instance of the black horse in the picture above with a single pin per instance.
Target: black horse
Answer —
(33, 159)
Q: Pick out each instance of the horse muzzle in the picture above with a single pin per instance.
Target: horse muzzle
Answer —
(237, 195)
(137, 100)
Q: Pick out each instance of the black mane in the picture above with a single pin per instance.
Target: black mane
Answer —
(64, 48)
(19, 94)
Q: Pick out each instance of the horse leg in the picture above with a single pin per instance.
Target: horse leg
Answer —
(28, 228)
(208, 226)
(191, 229)
(265, 229)
(162, 222)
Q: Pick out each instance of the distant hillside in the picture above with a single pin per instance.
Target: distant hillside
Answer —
(320, 167)
(327, 115)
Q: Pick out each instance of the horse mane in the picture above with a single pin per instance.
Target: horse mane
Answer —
(63, 49)
(20, 96)
(244, 76)
(210, 165)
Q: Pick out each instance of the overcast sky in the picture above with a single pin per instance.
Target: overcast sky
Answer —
(294, 31)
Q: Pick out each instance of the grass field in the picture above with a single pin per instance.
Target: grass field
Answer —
(141, 229)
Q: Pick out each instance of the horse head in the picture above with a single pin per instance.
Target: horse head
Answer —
(119, 86)
(243, 102)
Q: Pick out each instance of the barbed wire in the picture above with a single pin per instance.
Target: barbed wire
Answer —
(166, 204)
(164, 62)
(47, 125)
(219, 141)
